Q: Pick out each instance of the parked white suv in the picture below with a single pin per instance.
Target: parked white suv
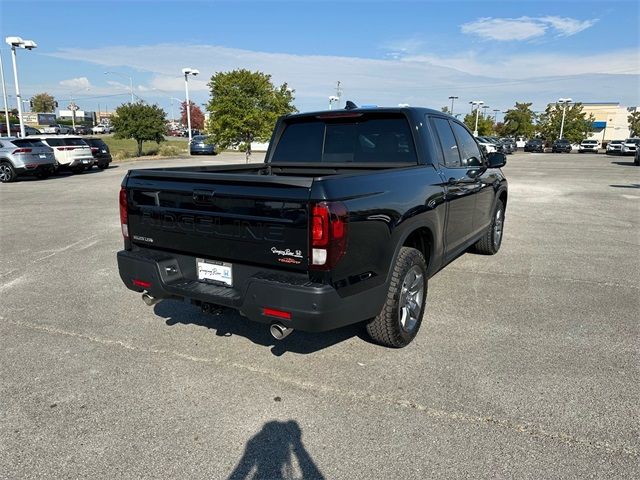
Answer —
(101, 129)
(591, 146)
(489, 147)
(629, 146)
(72, 153)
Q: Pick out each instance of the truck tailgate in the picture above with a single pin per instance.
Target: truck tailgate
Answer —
(232, 217)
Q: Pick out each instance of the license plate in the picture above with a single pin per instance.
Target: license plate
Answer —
(42, 155)
(214, 271)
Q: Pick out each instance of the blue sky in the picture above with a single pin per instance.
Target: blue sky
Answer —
(417, 52)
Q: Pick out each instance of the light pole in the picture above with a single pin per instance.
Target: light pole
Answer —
(476, 103)
(28, 45)
(125, 76)
(452, 98)
(495, 115)
(484, 111)
(565, 102)
(188, 71)
(333, 99)
(4, 96)
(173, 116)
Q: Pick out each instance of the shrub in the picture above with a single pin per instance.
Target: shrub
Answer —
(166, 150)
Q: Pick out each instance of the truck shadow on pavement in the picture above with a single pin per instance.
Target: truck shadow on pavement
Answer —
(276, 452)
(231, 323)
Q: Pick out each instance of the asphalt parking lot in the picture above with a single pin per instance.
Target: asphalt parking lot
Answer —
(526, 366)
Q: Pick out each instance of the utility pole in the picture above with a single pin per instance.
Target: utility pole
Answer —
(4, 95)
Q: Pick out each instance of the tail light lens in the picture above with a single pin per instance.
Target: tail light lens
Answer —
(22, 150)
(328, 234)
(124, 215)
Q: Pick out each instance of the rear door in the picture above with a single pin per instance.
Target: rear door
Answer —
(459, 185)
(240, 218)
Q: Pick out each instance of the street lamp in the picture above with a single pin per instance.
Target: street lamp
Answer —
(188, 71)
(565, 103)
(4, 96)
(333, 99)
(452, 98)
(484, 111)
(476, 103)
(125, 76)
(495, 115)
(171, 99)
(14, 42)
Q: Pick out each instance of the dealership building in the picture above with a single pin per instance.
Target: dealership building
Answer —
(610, 120)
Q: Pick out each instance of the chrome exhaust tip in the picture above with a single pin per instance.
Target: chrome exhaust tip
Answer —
(149, 299)
(279, 331)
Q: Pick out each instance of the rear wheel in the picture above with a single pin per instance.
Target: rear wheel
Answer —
(491, 240)
(103, 165)
(401, 316)
(7, 173)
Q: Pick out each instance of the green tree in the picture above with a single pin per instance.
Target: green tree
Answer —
(244, 107)
(576, 123)
(445, 110)
(634, 123)
(143, 123)
(485, 124)
(43, 103)
(518, 121)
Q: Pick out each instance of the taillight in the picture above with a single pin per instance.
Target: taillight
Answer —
(328, 234)
(124, 216)
(94, 149)
(22, 150)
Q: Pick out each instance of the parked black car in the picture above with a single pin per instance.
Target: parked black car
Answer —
(100, 152)
(82, 130)
(534, 145)
(561, 145)
(350, 215)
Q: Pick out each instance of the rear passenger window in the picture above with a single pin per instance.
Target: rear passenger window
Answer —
(447, 142)
(469, 151)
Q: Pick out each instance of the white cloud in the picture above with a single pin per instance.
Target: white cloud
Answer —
(524, 28)
(503, 29)
(80, 83)
(417, 79)
(565, 26)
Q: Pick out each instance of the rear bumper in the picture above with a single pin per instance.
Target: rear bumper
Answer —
(32, 170)
(313, 307)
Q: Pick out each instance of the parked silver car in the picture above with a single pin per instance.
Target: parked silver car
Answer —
(25, 156)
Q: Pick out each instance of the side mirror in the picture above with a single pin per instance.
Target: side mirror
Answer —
(496, 160)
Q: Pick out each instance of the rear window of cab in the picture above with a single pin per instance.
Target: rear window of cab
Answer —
(346, 138)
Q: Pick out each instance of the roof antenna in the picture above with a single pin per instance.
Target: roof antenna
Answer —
(350, 105)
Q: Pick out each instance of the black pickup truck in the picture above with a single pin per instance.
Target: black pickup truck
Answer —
(350, 214)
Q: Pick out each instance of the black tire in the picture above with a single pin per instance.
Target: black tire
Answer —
(7, 173)
(388, 328)
(102, 166)
(491, 240)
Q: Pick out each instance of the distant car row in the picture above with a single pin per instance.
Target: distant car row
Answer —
(494, 144)
(55, 129)
(562, 145)
(44, 155)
